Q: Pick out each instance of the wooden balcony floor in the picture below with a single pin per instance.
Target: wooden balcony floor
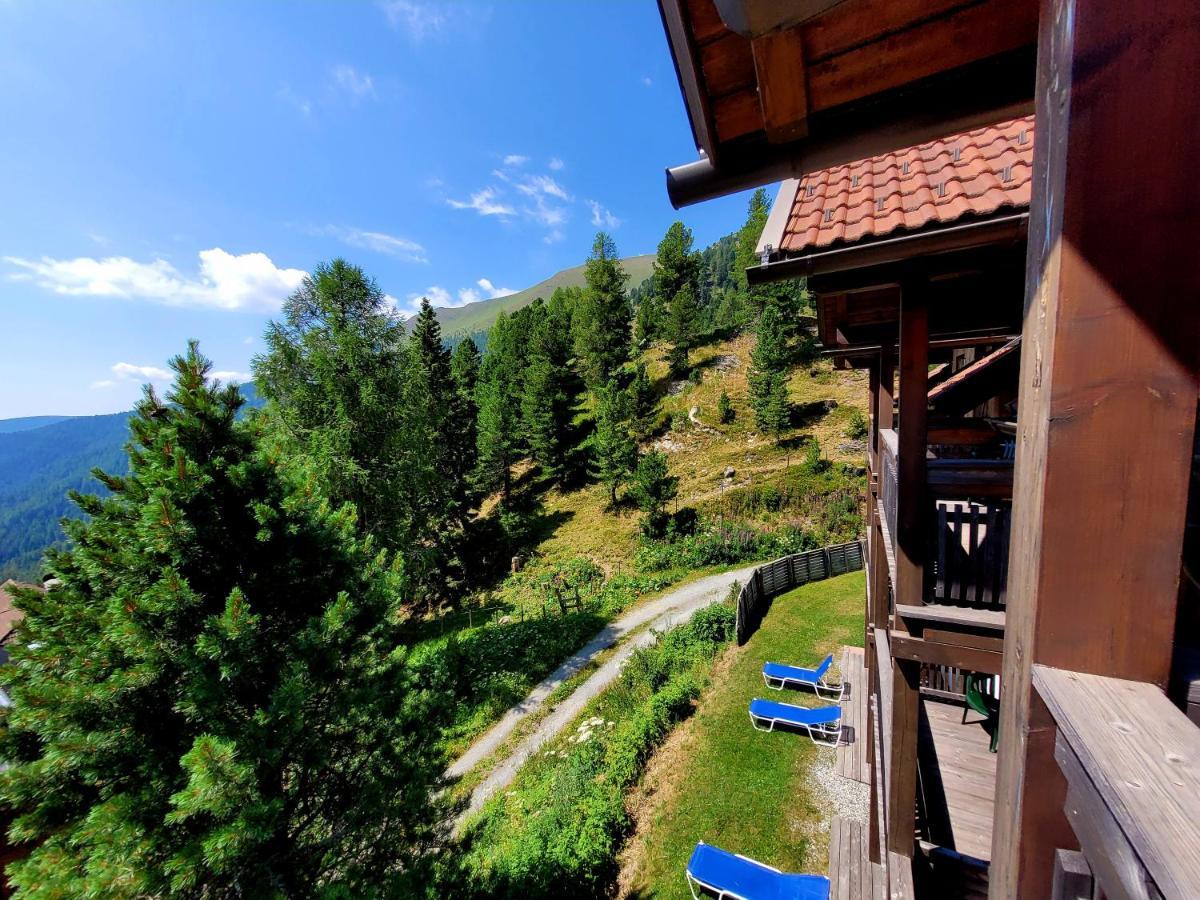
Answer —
(853, 761)
(958, 780)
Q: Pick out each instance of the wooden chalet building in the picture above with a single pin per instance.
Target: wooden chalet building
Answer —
(996, 204)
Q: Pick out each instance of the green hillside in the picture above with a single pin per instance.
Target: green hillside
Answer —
(474, 317)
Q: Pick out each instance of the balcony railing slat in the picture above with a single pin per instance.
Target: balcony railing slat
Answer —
(1141, 758)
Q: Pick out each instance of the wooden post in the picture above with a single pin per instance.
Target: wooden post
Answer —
(912, 536)
(1108, 387)
(906, 678)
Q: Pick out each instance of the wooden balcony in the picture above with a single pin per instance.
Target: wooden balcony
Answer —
(1131, 762)
(969, 514)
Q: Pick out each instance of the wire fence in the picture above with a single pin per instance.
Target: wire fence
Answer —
(782, 575)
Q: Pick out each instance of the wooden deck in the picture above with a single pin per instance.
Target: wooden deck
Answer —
(852, 759)
(956, 792)
(852, 875)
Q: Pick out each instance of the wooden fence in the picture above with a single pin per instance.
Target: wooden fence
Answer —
(790, 572)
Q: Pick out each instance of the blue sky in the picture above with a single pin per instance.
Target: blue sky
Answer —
(169, 170)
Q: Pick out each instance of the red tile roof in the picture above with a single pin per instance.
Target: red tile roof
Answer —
(10, 616)
(973, 173)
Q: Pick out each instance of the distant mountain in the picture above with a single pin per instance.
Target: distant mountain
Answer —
(39, 464)
(475, 317)
(25, 423)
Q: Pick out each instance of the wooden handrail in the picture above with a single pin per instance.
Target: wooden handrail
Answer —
(1132, 764)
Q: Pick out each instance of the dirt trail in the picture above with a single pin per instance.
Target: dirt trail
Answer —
(665, 612)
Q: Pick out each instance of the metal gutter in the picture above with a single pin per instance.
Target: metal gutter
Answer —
(772, 235)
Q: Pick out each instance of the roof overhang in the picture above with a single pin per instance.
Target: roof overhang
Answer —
(840, 83)
(1008, 228)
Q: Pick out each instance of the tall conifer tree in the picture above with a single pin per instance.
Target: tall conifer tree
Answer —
(548, 401)
(615, 450)
(211, 701)
(602, 319)
(768, 375)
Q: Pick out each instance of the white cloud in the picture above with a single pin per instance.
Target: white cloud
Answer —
(554, 236)
(601, 217)
(484, 202)
(437, 295)
(556, 164)
(418, 20)
(646, 81)
(543, 184)
(248, 341)
(103, 383)
(249, 281)
(380, 242)
(356, 84)
(515, 159)
(492, 291)
(229, 376)
(128, 371)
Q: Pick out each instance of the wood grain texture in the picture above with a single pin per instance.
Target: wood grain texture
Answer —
(1141, 756)
(782, 88)
(904, 729)
(1108, 383)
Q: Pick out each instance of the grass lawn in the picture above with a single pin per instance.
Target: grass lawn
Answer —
(719, 780)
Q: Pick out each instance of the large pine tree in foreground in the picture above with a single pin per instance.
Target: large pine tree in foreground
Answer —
(212, 702)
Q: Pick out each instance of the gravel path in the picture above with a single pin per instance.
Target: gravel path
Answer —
(660, 614)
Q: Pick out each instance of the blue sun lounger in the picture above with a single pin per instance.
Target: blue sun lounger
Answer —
(823, 725)
(779, 676)
(731, 877)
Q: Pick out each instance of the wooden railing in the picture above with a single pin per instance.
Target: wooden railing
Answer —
(889, 443)
(791, 572)
(1131, 761)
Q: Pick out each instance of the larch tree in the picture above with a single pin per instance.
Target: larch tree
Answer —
(214, 701)
(548, 400)
(333, 375)
(768, 375)
(614, 449)
(602, 319)
(643, 405)
(653, 488)
(464, 370)
(499, 438)
(682, 316)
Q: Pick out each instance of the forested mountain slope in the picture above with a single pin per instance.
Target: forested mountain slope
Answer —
(39, 464)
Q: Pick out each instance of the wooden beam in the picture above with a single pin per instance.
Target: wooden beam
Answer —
(782, 92)
(990, 643)
(1107, 387)
(1126, 749)
(986, 619)
(936, 654)
(912, 538)
(995, 375)
(906, 711)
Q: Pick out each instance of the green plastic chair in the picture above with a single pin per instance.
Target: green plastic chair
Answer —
(984, 704)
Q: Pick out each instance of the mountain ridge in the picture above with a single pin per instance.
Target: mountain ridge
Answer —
(460, 321)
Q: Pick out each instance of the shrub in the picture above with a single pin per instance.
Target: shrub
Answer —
(557, 831)
(712, 546)
(725, 409)
(856, 428)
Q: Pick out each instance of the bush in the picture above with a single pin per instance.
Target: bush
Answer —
(725, 409)
(558, 830)
(713, 546)
(856, 428)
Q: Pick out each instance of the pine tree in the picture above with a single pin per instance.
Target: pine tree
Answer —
(647, 321)
(212, 702)
(602, 319)
(725, 409)
(768, 375)
(615, 450)
(499, 438)
(681, 329)
(548, 401)
(643, 403)
(676, 265)
(437, 423)
(653, 488)
(334, 378)
(464, 370)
